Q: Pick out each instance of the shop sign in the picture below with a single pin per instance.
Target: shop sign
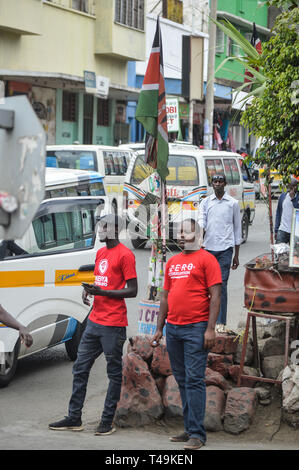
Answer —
(172, 110)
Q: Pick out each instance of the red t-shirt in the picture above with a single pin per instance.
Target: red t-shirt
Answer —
(113, 267)
(187, 280)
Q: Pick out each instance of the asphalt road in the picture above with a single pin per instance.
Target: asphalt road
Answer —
(41, 389)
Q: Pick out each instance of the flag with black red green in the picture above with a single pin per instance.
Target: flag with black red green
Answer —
(151, 109)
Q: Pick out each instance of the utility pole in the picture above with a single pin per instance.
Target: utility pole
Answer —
(209, 108)
(191, 103)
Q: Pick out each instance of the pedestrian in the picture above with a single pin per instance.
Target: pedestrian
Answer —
(219, 216)
(287, 202)
(115, 280)
(8, 320)
(190, 303)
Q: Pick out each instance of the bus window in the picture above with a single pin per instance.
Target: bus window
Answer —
(141, 171)
(213, 167)
(109, 164)
(83, 190)
(71, 192)
(58, 192)
(97, 189)
(182, 171)
(73, 159)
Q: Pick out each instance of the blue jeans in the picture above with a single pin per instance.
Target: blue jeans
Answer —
(188, 359)
(95, 340)
(224, 258)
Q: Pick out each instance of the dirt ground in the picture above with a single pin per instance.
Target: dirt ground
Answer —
(267, 427)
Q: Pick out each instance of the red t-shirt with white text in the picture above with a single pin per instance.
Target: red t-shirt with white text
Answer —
(187, 280)
(113, 268)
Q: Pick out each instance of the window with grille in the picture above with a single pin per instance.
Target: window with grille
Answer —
(103, 113)
(130, 13)
(69, 106)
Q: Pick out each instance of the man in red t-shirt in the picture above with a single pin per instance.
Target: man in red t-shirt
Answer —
(115, 280)
(190, 303)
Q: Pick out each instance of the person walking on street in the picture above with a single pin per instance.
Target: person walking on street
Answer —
(190, 303)
(8, 320)
(287, 202)
(115, 280)
(219, 216)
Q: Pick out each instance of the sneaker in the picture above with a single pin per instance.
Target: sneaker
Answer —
(67, 424)
(104, 429)
(184, 437)
(193, 444)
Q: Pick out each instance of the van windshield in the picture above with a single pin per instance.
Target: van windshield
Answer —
(73, 159)
(183, 171)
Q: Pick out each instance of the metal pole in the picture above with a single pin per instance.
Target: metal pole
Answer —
(209, 108)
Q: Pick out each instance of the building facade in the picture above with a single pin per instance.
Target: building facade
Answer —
(50, 50)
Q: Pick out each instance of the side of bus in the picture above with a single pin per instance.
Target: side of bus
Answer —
(109, 161)
(42, 288)
(189, 180)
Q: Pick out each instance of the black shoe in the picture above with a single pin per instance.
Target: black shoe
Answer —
(104, 429)
(183, 437)
(67, 424)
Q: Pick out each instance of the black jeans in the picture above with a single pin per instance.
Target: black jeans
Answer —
(95, 340)
(283, 237)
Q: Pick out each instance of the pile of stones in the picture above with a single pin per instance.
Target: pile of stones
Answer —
(150, 393)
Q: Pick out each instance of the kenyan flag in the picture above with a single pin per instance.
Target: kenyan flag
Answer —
(151, 109)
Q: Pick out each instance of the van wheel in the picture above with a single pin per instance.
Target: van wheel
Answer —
(72, 345)
(245, 227)
(8, 366)
(138, 243)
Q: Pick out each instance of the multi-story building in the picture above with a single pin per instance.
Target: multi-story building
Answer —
(178, 18)
(227, 111)
(70, 57)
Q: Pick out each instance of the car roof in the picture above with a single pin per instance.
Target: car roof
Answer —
(178, 148)
(56, 176)
(81, 147)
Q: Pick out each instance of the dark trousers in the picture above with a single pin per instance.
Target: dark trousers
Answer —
(224, 258)
(188, 359)
(283, 237)
(95, 340)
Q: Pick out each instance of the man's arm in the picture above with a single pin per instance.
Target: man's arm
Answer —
(161, 318)
(11, 322)
(215, 296)
(129, 291)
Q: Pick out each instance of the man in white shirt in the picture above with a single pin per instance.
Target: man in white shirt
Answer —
(220, 218)
(288, 201)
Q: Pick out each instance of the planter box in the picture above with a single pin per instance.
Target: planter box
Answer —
(271, 289)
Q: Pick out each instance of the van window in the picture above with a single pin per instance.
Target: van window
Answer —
(64, 230)
(231, 171)
(182, 171)
(88, 189)
(109, 163)
(214, 166)
(73, 159)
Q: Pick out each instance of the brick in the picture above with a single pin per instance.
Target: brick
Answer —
(215, 404)
(140, 401)
(225, 344)
(141, 345)
(172, 399)
(160, 363)
(215, 378)
(239, 410)
(220, 363)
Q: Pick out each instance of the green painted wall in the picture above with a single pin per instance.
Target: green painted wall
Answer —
(250, 10)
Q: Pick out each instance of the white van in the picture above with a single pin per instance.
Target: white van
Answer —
(111, 162)
(42, 287)
(189, 180)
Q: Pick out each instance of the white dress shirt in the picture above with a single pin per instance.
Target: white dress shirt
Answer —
(221, 220)
(287, 215)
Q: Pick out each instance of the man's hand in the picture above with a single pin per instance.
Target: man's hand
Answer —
(25, 337)
(85, 298)
(93, 290)
(209, 338)
(156, 338)
(235, 262)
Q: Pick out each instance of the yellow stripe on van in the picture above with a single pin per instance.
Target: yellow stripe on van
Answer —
(22, 279)
(73, 277)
